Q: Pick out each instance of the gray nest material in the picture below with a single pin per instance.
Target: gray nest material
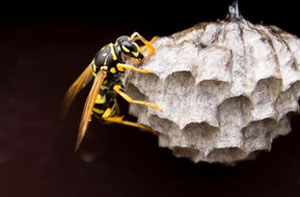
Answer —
(226, 88)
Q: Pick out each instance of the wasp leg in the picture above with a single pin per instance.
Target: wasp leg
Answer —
(145, 47)
(141, 50)
(119, 120)
(122, 67)
(136, 36)
(117, 88)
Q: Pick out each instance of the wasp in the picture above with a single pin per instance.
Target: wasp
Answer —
(106, 70)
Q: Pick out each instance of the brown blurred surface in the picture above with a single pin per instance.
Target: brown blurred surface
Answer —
(41, 58)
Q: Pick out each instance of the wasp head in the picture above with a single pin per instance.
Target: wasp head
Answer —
(129, 47)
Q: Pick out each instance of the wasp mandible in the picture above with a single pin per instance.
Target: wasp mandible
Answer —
(106, 68)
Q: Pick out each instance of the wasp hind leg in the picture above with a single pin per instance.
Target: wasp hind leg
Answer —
(119, 120)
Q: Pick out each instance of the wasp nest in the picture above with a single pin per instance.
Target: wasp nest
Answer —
(227, 89)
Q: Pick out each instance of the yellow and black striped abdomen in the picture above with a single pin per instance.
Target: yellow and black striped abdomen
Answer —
(106, 99)
(100, 103)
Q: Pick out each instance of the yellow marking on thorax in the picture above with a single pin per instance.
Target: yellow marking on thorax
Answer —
(95, 69)
(113, 70)
(112, 50)
(100, 99)
(105, 60)
(103, 68)
(104, 54)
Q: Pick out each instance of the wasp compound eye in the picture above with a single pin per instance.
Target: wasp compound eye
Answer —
(128, 47)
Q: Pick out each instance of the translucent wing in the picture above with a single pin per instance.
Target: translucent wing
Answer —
(75, 88)
(88, 106)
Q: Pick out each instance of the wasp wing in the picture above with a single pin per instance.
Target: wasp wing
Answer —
(75, 88)
(88, 106)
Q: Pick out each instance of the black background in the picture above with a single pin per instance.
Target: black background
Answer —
(44, 46)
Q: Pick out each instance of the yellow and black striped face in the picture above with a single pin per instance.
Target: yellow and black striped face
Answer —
(129, 47)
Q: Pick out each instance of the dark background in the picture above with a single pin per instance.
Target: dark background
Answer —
(44, 46)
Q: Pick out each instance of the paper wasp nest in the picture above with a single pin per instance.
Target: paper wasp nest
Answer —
(227, 89)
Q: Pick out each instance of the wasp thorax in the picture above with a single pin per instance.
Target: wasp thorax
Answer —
(226, 88)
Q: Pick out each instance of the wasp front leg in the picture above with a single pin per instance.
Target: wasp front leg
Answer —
(148, 44)
(117, 89)
(150, 47)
